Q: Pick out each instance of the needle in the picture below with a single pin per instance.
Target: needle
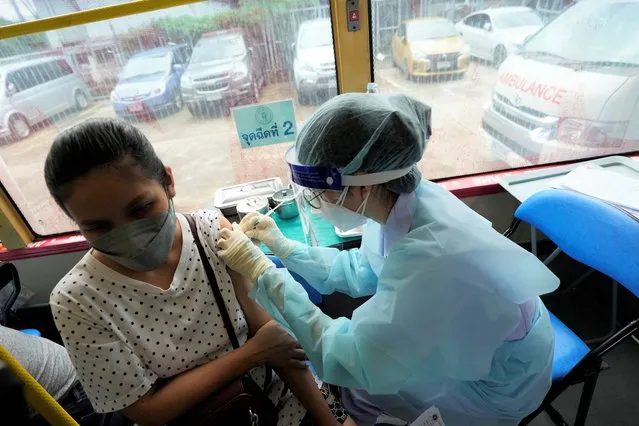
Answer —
(270, 212)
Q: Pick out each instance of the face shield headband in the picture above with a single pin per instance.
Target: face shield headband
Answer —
(317, 177)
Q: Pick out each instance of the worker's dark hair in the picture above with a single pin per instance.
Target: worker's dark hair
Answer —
(98, 143)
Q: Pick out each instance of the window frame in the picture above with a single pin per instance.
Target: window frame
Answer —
(354, 69)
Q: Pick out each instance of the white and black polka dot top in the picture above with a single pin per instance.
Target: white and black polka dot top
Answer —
(123, 334)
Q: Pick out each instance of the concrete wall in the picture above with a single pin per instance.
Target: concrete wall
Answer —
(42, 274)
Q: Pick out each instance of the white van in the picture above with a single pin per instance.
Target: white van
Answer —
(35, 90)
(573, 89)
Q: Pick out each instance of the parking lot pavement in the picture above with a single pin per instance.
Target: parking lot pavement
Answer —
(205, 153)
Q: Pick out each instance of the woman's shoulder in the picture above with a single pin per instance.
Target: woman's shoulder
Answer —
(78, 285)
(209, 221)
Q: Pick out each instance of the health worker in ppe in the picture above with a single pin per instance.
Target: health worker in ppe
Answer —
(454, 320)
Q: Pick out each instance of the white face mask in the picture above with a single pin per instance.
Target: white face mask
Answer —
(343, 218)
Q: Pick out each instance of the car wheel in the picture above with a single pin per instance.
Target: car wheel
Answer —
(20, 127)
(256, 92)
(499, 56)
(81, 101)
(302, 97)
(405, 70)
(177, 101)
(194, 110)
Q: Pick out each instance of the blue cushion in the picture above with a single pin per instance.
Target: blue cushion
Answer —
(31, 331)
(590, 231)
(569, 349)
(313, 294)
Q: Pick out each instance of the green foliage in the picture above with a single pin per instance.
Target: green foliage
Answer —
(22, 44)
(250, 16)
(189, 28)
(275, 6)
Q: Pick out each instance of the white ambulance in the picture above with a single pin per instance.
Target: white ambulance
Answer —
(572, 91)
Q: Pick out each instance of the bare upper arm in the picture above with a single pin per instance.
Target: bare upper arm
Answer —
(256, 317)
(224, 223)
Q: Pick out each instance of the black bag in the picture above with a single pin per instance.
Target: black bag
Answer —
(241, 403)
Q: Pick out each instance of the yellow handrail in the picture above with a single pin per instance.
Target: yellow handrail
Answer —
(36, 395)
(88, 16)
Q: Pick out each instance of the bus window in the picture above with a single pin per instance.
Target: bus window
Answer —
(175, 73)
(508, 86)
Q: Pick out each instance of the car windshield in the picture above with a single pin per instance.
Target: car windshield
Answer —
(514, 19)
(218, 48)
(427, 30)
(590, 31)
(140, 66)
(316, 36)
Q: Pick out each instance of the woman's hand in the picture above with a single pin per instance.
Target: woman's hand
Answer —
(275, 347)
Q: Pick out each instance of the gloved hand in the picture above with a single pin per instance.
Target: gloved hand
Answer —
(241, 255)
(263, 228)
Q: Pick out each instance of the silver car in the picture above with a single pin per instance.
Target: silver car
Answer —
(314, 64)
(36, 90)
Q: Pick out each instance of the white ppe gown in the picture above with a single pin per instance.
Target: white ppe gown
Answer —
(454, 319)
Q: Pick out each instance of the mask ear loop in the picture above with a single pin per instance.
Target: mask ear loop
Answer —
(364, 204)
(342, 196)
(362, 207)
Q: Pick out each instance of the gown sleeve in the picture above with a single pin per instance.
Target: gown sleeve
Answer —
(329, 270)
(424, 323)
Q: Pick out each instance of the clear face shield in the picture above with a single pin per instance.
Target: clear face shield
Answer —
(309, 184)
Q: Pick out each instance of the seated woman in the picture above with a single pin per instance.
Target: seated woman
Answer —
(139, 307)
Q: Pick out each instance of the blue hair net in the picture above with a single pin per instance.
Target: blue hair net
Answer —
(369, 133)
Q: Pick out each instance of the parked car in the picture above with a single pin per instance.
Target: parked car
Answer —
(222, 72)
(149, 83)
(36, 90)
(573, 89)
(493, 34)
(314, 63)
(429, 47)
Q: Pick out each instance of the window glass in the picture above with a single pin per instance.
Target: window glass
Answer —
(232, 54)
(558, 81)
(218, 47)
(317, 36)
(472, 21)
(516, 19)
(426, 30)
(144, 66)
(13, 79)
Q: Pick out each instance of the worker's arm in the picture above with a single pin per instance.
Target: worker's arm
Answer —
(325, 269)
(329, 270)
(421, 324)
(301, 381)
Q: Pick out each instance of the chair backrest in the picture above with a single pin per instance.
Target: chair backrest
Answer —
(589, 230)
(8, 279)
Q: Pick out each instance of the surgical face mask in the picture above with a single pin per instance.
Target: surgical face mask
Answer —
(142, 245)
(343, 218)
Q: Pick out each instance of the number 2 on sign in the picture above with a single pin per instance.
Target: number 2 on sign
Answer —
(287, 128)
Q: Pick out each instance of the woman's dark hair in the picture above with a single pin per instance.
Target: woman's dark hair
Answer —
(98, 143)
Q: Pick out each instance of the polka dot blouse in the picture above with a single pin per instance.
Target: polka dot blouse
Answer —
(123, 334)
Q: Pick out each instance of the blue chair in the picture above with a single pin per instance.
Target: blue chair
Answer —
(605, 238)
(313, 294)
(9, 276)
